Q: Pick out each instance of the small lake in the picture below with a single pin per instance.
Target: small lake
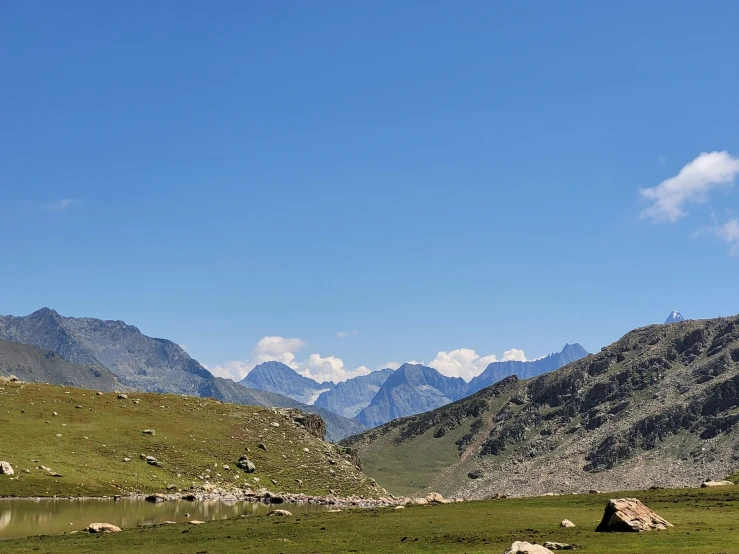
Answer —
(22, 518)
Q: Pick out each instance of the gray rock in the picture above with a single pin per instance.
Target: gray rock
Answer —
(279, 513)
(6, 469)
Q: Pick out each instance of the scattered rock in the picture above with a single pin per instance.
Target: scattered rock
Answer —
(716, 484)
(126, 459)
(196, 522)
(279, 513)
(103, 528)
(630, 515)
(54, 414)
(156, 498)
(400, 507)
(435, 498)
(262, 446)
(169, 522)
(99, 393)
(558, 546)
(172, 487)
(122, 396)
(566, 523)
(274, 424)
(334, 511)
(6, 469)
(149, 432)
(246, 464)
(306, 450)
(521, 547)
(13, 379)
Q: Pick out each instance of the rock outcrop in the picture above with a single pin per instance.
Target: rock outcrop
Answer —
(631, 516)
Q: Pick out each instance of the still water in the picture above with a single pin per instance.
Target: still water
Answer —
(21, 518)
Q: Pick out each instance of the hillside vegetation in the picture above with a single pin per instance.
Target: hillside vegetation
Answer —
(705, 522)
(77, 442)
(657, 408)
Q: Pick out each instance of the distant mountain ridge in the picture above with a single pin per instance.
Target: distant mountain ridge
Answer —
(350, 397)
(145, 363)
(497, 371)
(411, 389)
(282, 379)
(32, 364)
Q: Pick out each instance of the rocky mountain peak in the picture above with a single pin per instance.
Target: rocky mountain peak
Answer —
(674, 317)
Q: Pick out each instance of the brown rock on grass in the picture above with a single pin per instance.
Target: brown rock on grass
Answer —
(630, 515)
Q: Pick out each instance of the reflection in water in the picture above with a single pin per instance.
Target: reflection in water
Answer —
(21, 518)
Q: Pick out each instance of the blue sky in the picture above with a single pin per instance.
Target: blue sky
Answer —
(422, 177)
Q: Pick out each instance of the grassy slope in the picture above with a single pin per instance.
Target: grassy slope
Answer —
(705, 523)
(192, 435)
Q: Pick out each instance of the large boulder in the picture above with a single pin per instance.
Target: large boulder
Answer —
(6, 469)
(103, 528)
(630, 515)
(521, 547)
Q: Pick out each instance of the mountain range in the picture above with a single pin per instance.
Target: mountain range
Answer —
(94, 352)
(282, 379)
(144, 363)
(659, 407)
(497, 371)
(349, 397)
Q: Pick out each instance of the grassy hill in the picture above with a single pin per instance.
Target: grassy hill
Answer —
(91, 435)
(705, 522)
(657, 408)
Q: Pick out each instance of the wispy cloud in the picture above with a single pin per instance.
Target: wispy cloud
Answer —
(344, 334)
(710, 170)
(727, 232)
(59, 206)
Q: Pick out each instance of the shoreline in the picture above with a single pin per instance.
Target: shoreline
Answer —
(262, 496)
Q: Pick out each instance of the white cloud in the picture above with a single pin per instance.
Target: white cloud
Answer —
(267, 349)
(727, 232)
(463, 362)
(344, 334)
(283, 350)
(514, 354)
(59, 206)
(184, 347)
(391, 365)
(708, 171)
(329, 368)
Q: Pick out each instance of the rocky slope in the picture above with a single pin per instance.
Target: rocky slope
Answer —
(69, 441)
(657, 408)
(33, 364)
(353, 395)
(497, 371)
(144, 363)
(282, 379)
(411, 389)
